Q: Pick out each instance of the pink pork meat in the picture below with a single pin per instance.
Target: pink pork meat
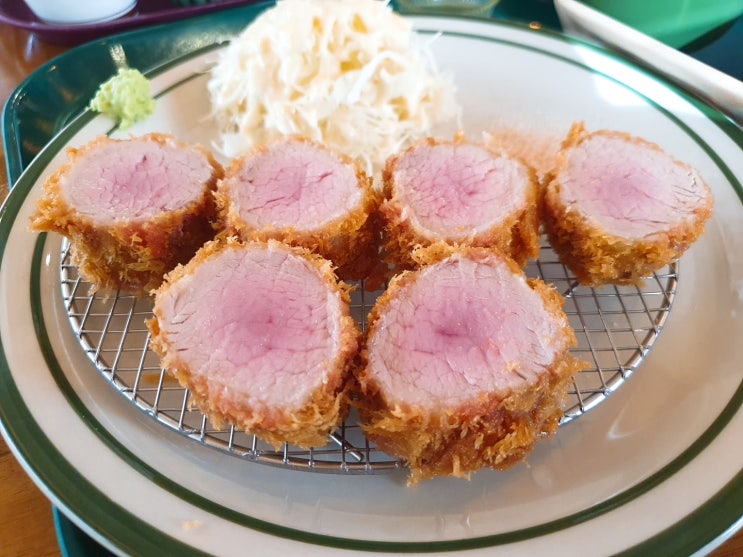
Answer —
(466, 364)
(460, 193)
(132, 209)
(618, 208)
(303, 193)
(261, 334)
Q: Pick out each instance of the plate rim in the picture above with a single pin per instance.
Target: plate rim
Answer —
(15, 201)
(69, 34)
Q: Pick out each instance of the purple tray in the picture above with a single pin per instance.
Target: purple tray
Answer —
(146, 12)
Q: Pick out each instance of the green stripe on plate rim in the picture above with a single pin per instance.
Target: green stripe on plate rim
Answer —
(129, 533)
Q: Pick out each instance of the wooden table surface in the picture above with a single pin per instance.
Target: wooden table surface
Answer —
(26, 523)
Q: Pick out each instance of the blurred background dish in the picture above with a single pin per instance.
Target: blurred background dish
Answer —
(71, 12)
(448, 7)
(674, 22)
(722, 90)
(17, 13)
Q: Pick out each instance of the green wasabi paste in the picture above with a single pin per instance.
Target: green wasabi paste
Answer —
(126, 97)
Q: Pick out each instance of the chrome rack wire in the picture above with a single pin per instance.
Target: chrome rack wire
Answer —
(616, 327)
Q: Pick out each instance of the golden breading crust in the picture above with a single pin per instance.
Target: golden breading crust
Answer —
(597, 258)
(494, 430)
(307, 426)
(128, 255)
(517, 235)
(351, 241)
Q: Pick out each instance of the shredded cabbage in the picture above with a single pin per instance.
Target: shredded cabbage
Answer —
(351, 74)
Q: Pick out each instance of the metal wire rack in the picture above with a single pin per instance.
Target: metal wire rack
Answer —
(615, 326)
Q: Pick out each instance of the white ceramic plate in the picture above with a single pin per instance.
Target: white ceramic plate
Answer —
(655, 469)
